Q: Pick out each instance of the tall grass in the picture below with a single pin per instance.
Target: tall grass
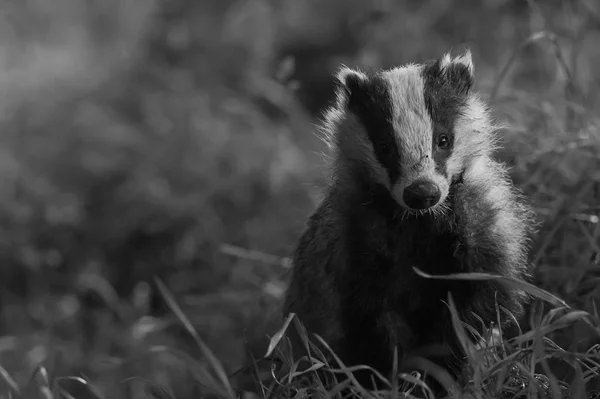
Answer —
(145, 139)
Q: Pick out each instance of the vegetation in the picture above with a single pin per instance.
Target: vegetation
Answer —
(158, 161)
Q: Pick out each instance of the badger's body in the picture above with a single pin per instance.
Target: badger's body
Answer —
(412, 184)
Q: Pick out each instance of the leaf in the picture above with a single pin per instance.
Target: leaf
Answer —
(439, 373)
(312, 368)
(458, 327)
(279, 335)
(83, 382)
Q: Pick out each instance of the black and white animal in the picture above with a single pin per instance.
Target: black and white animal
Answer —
(412, 183)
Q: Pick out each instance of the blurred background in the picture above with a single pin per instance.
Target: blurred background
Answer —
(176, 139)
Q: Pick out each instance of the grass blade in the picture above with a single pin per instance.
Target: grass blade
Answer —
(279, 335)
(9, 381)
(212, 359)
(509, 281)
(157, 390)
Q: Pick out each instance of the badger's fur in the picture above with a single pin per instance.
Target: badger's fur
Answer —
(412, 183)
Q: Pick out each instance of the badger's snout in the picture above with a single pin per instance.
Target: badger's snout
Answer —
(421, 194)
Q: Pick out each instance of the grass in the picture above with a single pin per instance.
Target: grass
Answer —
(157, 166)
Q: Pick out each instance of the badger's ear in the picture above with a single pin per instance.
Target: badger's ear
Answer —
(348, 83)
(459, 71)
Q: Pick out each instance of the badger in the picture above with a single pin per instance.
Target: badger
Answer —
(412, 184)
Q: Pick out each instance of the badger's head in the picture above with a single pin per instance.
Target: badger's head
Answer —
(412, 129)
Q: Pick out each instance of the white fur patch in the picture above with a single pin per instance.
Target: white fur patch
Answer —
(474, 135)
(491, 178)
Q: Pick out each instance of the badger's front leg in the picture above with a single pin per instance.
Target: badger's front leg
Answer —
(493, 224)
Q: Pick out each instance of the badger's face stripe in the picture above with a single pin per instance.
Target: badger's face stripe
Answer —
(445, 90)
(370, 100)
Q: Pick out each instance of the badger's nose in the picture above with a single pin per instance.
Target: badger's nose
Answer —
(421, 194)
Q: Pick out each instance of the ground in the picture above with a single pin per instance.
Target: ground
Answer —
(152, 144)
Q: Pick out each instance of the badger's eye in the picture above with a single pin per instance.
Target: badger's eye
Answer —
(443, 142)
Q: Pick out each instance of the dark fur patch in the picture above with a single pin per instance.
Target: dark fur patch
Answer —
(445, 95)
(370, 101)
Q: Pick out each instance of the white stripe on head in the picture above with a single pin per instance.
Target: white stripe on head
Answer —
(412, 122)
(414, 130)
